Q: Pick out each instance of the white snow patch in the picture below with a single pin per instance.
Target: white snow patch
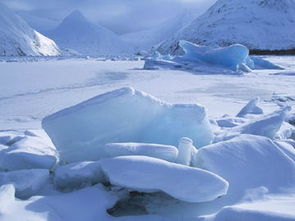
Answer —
(147, 174)
(247, 162)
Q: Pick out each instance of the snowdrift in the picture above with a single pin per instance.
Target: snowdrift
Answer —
(59, 207)
(278, 208)
(147, 174)
(124, 115)
(17, 38)
(249, 162)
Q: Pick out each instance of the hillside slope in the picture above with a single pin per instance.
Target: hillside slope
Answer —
(77, 33)
(258, 24)
(147, 39)
(17, 38)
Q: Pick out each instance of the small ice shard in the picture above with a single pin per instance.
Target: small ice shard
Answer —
(250, 108)
(147, 174)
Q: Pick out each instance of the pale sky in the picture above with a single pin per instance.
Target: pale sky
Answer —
(119, 15)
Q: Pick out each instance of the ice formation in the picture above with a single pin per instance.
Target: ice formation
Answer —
(78, 175)
(230, 121)
(232, 59)
(28, 152)
(164, 152)
(147, 174)
(124, 115)
(247, 162)
(250, 108)
(266, 125)
(27, 183)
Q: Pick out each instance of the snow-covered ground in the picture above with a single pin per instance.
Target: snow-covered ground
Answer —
(247, 174)
(31, 91)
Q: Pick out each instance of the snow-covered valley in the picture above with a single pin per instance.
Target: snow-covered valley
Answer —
(221, 180)
(125, 110)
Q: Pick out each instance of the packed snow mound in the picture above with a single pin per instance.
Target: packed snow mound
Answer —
(17, 38)
(271, 208)
(262, 25)
(87, 204)
(78, 175)
(124, 115)
(147, 174)
(28, 152)
(77, 33)
(164, 152)
(249, 162)
(233, 59)
(27, 183)
(250, 108)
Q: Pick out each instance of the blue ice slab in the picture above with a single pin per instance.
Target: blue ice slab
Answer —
(230, 57)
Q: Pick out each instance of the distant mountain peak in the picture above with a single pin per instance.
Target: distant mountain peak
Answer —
(76, 15)
(77, 33)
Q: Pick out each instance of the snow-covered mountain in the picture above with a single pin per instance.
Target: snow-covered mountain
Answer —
(146, 39)
(77, 33)
(37, 22)
(17, 38)
(258, 24)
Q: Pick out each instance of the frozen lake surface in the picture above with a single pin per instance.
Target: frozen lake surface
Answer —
(31, 90)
